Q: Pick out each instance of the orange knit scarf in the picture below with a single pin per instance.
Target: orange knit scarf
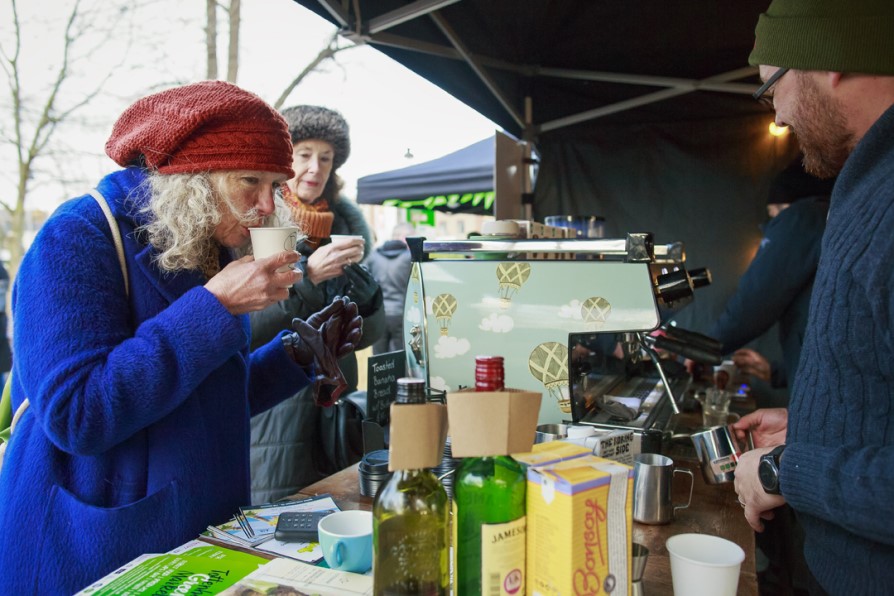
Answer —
(314, 218)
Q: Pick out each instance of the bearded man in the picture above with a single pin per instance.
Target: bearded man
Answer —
(828, 67)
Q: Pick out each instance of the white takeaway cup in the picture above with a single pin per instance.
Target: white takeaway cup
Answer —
(704, 565)
(266, 242)
(341, 238)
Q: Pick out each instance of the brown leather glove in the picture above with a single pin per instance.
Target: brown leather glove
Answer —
(320, 341)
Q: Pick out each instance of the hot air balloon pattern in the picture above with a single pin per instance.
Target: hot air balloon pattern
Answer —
(548, 364)
(443, 307)
(414, 275)
(511, 277)
(595, 311)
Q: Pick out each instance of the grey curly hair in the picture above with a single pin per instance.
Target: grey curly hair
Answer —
(184, 210)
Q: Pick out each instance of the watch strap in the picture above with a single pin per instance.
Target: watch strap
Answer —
(777, 454)
(771, 459)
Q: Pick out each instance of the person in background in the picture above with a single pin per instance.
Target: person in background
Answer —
(292, 444)
(136, 436)
(5, 350)
(390, 265)
(828, 67)
(776, 286)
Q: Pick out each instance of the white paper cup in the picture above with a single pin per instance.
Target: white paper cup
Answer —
(704, 565)
(266, 242)
(340, 238)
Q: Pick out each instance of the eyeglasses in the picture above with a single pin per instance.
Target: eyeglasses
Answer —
(761, 93)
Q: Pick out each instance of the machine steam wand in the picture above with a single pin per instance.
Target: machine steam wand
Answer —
(646, 349)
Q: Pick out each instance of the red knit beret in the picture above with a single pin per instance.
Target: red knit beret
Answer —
(205, 126)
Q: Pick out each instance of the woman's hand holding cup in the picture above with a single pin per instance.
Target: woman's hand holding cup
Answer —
(329, 260)
(248, 285)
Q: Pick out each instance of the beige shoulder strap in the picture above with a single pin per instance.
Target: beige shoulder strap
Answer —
(116, 235)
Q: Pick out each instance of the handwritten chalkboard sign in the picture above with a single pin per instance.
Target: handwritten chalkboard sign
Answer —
(383, 371)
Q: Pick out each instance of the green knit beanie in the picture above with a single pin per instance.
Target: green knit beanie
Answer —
(854, 36)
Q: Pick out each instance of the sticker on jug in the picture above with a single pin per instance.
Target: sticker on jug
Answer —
(724, 465)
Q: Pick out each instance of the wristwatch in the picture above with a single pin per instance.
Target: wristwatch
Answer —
(768, 470)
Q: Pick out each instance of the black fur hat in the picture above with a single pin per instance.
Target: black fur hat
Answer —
(317, 122)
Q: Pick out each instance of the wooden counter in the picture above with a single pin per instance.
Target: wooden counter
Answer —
(714, 510)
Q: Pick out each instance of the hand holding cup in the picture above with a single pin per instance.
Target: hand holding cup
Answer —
(247, 285)
(329, 260)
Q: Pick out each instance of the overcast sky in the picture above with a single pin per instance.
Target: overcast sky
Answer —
(389, 109)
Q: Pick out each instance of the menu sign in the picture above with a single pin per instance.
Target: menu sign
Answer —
(383, 371)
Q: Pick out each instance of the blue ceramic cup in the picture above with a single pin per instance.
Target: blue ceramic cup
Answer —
(346, 540)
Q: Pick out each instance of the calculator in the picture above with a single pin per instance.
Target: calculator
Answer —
(298, 526)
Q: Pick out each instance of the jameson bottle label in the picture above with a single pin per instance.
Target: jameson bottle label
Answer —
(503, 558)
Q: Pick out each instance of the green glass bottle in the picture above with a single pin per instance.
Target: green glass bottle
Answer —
(410, 531)
(489, 515)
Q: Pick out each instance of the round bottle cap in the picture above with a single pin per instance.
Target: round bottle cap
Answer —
(489, 373)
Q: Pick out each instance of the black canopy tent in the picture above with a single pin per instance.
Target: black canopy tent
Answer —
(459, 182)
(640, 110)
(536, 66)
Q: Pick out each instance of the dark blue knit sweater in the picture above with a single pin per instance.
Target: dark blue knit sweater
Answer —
(838, 467)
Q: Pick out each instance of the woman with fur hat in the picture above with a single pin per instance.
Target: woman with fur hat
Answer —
(140, 378)
(294, 444)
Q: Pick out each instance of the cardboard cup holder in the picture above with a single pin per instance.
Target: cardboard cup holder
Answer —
(483, 423)
(418, 432)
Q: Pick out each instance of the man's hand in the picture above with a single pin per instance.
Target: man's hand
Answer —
(767, 427)
(753, 363)
(757, 503)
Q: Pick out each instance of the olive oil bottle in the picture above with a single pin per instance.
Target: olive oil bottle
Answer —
(410, 515)
(489, 515)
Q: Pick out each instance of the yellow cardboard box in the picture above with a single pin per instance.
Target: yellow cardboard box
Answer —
(580, 524)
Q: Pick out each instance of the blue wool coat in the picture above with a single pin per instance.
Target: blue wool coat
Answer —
(138, 431)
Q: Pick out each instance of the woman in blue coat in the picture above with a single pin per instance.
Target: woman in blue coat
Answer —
(137, 433)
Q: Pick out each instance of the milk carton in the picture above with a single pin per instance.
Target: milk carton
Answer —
(580, 524)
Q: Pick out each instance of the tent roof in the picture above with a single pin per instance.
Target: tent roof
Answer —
(534, 66)
(468, 172)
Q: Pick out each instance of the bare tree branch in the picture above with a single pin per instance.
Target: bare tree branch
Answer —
(328, 52)
(211, 39)
(85, 38)
(233, 53)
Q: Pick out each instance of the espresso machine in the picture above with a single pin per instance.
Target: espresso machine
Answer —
(555, 309)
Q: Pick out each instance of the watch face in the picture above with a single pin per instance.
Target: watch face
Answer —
(769, 475)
